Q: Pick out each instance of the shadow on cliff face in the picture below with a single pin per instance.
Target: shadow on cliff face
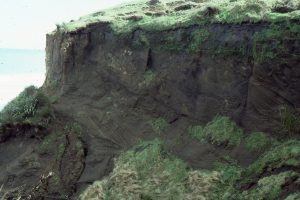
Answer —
(40, 162)
(41, 152)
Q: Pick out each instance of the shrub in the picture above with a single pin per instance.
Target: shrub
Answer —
(26, 105)
(220, 131)
(258, 142)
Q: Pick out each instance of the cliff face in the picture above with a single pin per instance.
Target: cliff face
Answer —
(116, 84)
(122, 87)
(169, 74)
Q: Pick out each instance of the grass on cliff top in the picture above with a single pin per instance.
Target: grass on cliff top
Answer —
(170, 14)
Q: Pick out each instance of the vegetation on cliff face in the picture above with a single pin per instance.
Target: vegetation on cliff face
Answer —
(31, 105)
(115, 120)
(220, 131)
(272, 176)
(148, 172)
(169, 14)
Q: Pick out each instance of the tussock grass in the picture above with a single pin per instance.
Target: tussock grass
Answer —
(159, 124)
(169, 14)
(220, 131)
(146, 172)
(270, 187)
(285, 154)
(29, 104)
(259, 141)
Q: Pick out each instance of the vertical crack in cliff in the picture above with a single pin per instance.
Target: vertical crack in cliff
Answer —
(149, 60)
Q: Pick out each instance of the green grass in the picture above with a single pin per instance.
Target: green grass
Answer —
(272, 42)
(269, 187)
(259, 142)
(231, 171)
(158, 125)
(220, 131)
(290, 121)
(294, 196)
(198, 37)
(133, 177)
(28, 105)
(149, 77)
(285, 154)
(148, 172)
(138, 14)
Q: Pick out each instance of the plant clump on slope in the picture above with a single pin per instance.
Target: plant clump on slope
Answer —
(271, 187)
(259, 141)
(147, 172)
(29, 104)
(286, 154)
(220, 131)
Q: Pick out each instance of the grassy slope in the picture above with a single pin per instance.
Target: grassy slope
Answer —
(182, 13)
(274, 175)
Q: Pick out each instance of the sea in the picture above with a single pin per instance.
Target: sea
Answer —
(20, 68)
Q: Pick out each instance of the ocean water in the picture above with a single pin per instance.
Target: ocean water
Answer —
(19, 68)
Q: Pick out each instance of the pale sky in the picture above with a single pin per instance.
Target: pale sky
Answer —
(24, 23)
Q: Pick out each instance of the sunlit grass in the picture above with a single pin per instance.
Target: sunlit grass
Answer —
(174, 13)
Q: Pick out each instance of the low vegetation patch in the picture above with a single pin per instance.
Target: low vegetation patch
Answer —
(286, 154)
(133, 177)
(159, 124)
(259, 142)
(270, 187)
(290, 120)
(31, 104)
(220, 131)
(293, 196)
(273, 42)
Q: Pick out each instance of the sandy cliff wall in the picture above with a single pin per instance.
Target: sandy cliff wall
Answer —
(196, 72)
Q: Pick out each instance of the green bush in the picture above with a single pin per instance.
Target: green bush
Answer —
(258, 142)
(220, 131)
(26, 105)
